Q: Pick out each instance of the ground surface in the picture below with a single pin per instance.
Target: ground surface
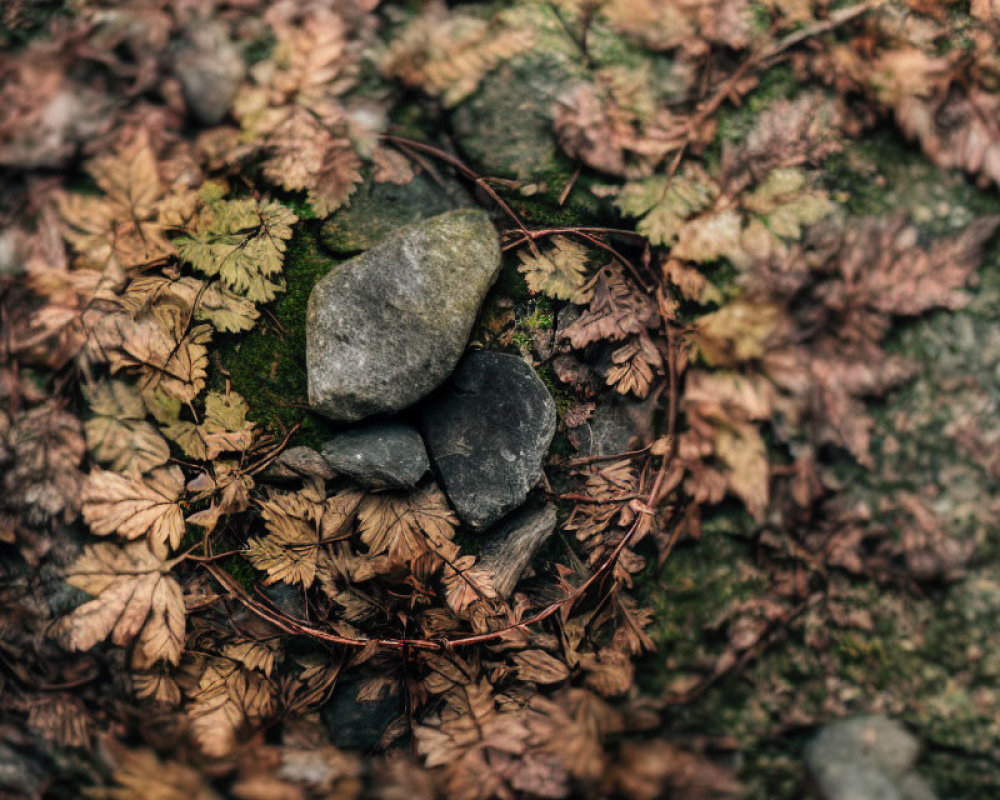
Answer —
(749, 249)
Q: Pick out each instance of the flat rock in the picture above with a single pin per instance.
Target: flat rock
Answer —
(488, 432)
(379, 455)
(509, 547)
(387, 327)
(298, 462)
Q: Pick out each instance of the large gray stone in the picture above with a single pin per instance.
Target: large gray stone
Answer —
(379, 455)
(488, 433)
(387, 327)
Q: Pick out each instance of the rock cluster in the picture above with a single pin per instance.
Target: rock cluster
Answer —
(866, 758)
(386, 332)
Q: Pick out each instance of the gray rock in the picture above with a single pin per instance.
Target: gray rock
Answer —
(506, 126)
(865, 758)
(856, 781)
(914, 787)
(361, 724)
(298, 462)
(873, 738)
(210, 68)
(377, 209)
(379, 455)
(487, 434)
(508, 549)
(387, 327)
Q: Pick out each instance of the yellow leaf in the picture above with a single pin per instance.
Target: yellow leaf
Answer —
(243, 242)
(559, 271)
(741, 448)
(736, 333)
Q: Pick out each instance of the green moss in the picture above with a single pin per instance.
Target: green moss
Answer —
(267, 365)
(240, 568)
(564, 398)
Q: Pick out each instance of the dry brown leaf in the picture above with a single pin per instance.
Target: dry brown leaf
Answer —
(121, 228)
(227, 701)
(391, 166)
(134, 594)
(648, 770)
(44, 478)
(140, 775)
(538, 666)
(118, 434)
(132, 507)
(406, 526)
(616, 310)
(466, 584)
(447, 53)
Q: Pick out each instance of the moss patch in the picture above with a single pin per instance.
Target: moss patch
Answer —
(268, 365)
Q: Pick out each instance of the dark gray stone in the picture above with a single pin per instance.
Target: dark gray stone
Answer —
(508, 548)
(379, 455)
(377, 209)
(488, 433)
(618, 425)
(865, 758)
(360, 724)
(210, 69)
(387, 327)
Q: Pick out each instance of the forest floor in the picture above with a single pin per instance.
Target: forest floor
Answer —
(749, 248)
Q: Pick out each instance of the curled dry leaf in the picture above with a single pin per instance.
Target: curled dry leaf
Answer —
(617, 309)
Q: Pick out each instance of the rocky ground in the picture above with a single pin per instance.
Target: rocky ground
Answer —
(735, 262)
